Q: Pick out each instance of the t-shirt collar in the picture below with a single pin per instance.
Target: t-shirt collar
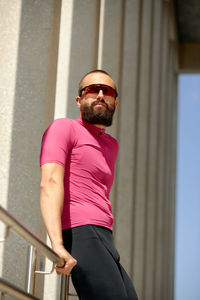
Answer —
(91, 127)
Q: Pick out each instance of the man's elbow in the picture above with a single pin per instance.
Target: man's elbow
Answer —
(49, 182)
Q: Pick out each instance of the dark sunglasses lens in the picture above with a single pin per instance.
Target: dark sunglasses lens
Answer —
(108, 91)
(94, 89)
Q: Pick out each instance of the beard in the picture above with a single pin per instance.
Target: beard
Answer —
(97, 115)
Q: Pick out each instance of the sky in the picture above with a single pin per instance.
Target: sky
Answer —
(187, 250)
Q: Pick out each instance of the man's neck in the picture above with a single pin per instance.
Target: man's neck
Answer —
(101, 126)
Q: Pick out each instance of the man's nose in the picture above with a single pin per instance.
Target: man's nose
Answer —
(100, 95)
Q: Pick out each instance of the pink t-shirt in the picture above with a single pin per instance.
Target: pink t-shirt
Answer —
(88, 155)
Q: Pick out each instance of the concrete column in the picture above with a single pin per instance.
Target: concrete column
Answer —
(110, 53)
(171, 172)
(24, 51)
(10, 14)
(77, 52)
(111, 28)
(152, 167)
(53, 73)
(52, 283)
(124, 205)
(161, 197)
(169, 176)
(142, 137)
(110, 43)
(63, 72)
(167, 202)
(173, 185)
(168, 283)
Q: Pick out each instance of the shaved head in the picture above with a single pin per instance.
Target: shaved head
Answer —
(81, 83)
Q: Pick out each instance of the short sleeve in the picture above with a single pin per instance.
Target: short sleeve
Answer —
(57, 141)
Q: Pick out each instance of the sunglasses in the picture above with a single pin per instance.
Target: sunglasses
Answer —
(96, 88)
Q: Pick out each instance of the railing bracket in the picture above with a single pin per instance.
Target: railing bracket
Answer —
(3, 295)
(46, 273)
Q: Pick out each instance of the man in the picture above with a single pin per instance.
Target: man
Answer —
(77, 170)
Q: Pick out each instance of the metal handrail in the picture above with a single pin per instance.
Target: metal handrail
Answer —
(8, 288)
(12, 223)
(29, 236)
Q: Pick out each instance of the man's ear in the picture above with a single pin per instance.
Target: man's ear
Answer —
(78, 101)
(116, 102)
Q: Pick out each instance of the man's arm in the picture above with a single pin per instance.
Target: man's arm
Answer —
(51, 202)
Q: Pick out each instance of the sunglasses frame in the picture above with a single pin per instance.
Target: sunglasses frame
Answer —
(99, 84)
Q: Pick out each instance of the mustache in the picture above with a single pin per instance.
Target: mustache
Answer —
(100, 101)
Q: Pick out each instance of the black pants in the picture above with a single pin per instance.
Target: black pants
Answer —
(98, 274)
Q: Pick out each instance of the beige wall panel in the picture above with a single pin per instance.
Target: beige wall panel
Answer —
(110, 44)
(142, 147)
(63, 72)
(169, 176)
(166, 204)
(110, 39)
(127, 114)
(29, 60)
(149, 259)
(10, 13)
(52, 283)
(173, 186)
(80, 44)
(53, 72)
(172, 173)
(111, 23)
(160, 221)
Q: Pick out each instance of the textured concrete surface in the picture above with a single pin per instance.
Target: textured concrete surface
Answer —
(25, 28)
(10, 14)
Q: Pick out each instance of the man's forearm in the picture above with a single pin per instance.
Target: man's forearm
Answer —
(51, 202)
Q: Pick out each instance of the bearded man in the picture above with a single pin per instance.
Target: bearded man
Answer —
(77, 170)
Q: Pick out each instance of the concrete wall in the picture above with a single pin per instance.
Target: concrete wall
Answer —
(46, 47)
(26, 29)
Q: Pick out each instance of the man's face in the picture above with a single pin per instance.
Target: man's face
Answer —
(97, 108)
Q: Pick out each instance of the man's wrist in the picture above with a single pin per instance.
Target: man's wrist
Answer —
(57, 244)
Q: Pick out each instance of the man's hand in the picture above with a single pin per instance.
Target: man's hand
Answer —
(69, 261)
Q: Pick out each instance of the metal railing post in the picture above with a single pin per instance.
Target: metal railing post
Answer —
(2, 296)
(31, 267)
(64, 290)
(63, 287)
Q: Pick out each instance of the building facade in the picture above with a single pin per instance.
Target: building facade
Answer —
(45, 48)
